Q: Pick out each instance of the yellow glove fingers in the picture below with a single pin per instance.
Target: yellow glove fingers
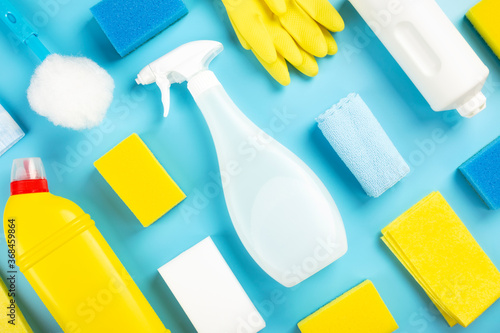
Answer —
(278, 7)
(248, 17)
(324, 13)
(330, 41)
(257, 36)
(242, 40)
(285, 45)
(277, 31)
(277, 69)
(290, 51)
(304, 30)
(309, 66)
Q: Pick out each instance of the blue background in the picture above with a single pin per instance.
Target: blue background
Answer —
(434, 144)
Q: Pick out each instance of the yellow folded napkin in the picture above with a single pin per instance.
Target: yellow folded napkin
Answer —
(360, 310)
(434, 245)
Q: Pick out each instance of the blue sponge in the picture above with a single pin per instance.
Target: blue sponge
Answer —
(482, 171)
(130, 23)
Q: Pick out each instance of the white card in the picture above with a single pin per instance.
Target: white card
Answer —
(209, 293)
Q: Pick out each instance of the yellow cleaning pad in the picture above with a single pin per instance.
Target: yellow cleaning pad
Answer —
(15, 323)
(485, 17)
(434, 245)
(360, 310)
(139, 180)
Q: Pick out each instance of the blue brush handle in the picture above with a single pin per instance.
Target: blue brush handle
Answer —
(22, 29)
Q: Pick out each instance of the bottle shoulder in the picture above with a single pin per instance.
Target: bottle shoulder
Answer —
(36, 216)
(42, 202)
(42, 207)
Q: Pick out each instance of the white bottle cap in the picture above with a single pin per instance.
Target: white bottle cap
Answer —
(27, 169)
(475, 105)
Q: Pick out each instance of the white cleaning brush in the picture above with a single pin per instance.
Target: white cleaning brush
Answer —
(72, 92)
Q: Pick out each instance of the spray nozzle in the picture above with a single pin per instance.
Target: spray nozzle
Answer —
(179, 65)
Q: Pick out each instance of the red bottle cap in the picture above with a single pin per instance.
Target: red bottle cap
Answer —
(28, 176)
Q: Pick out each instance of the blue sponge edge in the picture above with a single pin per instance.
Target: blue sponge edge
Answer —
(464, 169)
(127, 30)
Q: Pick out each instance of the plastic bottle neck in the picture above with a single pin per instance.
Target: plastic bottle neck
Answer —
(29, 186)
(473, 106)
(201, 82)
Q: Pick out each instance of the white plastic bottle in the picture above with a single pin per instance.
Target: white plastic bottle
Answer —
(282, 212)
(430, 50)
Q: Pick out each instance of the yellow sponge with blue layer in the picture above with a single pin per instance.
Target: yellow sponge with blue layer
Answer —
(140, 181)
(130, 23)
(484, 16)
(434, 245)
(360, 310)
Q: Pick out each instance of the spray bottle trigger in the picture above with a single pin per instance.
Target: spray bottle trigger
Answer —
(164, 85)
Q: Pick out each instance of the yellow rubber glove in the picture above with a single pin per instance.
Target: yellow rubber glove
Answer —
(259, 30)
(279, 69)
(306, 21)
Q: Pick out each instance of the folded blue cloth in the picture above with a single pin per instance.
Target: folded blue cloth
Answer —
(360, 141)
(10, 132)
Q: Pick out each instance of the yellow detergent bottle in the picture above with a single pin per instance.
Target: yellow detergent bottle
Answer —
(69, 263)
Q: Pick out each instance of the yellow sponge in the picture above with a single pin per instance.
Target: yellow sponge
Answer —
(139, 180)
(11, 320)
(485, 18)
(434, 245)
(359, 310)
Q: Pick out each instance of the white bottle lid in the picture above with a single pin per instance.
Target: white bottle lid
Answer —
(27, 169)
(472, 107)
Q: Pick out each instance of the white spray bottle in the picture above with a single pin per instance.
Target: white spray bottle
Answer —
(282, 212)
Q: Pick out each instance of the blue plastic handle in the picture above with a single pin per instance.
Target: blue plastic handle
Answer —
(22, 29)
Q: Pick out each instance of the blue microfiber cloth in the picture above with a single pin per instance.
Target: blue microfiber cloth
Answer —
(130, 23)
(360, 141)
(482, 171)
(10, 132)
